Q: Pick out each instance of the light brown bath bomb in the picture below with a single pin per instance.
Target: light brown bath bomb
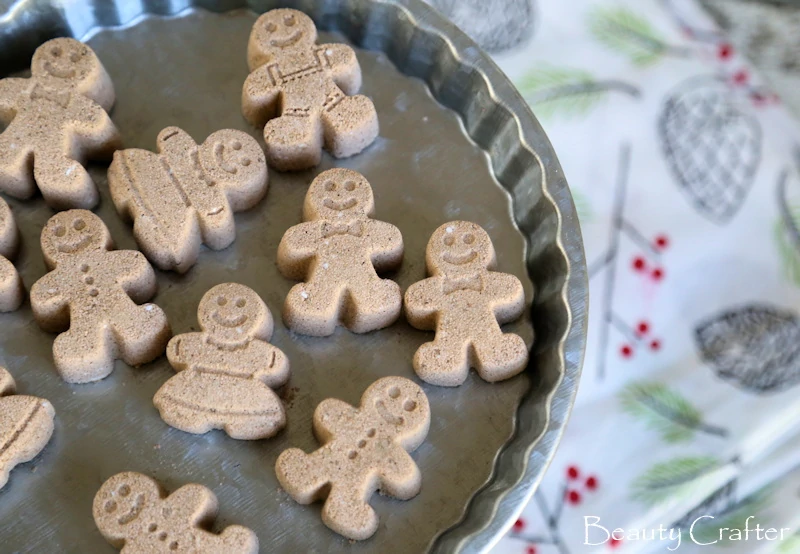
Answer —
(363, 450)
(465, 303)
(304, 93)
(226, 371)
(93, 292)
(56, 121)
(337, 252)
(134, 514)
(11, 289)
(186, 194)
(26, 425)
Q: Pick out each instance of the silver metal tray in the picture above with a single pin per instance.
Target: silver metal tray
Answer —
(456, 142)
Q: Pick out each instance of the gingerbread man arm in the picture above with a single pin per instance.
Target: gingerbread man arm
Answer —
(333, 417)
(345, 70)
(181, 347)
(507, 294)
(50, 306)
(273, 369)
(422, 303)
(134, 274)
(260, 95)
(192, 504)
(10, 91)
(98, 133)
(400, 476)
(390, 255)
(298, 245)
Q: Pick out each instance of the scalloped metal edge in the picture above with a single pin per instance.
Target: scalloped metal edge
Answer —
(497, 118)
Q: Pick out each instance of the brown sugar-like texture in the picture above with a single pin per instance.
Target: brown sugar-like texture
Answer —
(363, 449)
(26, 425)
(11, 289)
(465, 303)
(56, 121)
(337, 251)
(186, 194)
(226, 371)
(304, 93)
(134, 514)
(92, 292)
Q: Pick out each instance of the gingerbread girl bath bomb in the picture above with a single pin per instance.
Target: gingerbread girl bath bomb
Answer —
(56, 121)
(465, 302)
(337, 251)
(187, 193)
(92, 294)
(226, 371)
(26, 425)
(363, 449)
(303, 92)
(11, 290)
(134, 514)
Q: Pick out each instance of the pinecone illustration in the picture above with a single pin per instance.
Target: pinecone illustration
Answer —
(496, 25)
(755, 347)
(712, 148)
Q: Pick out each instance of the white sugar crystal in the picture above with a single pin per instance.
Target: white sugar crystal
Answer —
(325, 265)
(304, 294)
(449, 229)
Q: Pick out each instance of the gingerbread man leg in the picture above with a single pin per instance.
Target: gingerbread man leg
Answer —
(498, 355)
(313, 308)
(443, 362)
(293, 140)
(64, 182)
(84, 353)
(374, 306)
(11, 289)
(349, 123)
(346, 512)
(141, 333)
(15, 155)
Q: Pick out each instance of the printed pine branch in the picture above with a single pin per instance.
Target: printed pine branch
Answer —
(730, 519)
(582, 206)
(671, 479)
(626, 32)
(572, 92)
(665, 411)
(787, 231)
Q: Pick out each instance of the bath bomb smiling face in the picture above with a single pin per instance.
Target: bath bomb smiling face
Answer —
(121, 500)
(73, 233)
(283, 31)
(64, 59)
(232, 313)
(459, 247)
(338, 195)
(399, 403)
(233, 158)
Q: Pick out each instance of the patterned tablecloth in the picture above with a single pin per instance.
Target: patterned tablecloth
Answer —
(684, 168)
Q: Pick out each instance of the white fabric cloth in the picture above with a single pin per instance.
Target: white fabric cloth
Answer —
(675, 153)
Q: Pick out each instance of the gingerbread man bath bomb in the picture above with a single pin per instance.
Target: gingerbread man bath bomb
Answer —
(11, 290)
(134, 514)
(92, 293)
(56, 121)
(363, 449)
(338, 250)
(186, 194)
(303, 92)
(226, 371)
(26, 425)
(465, 303)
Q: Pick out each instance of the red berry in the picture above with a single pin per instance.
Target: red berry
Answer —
(626, 351)
(613, 543)
(530, 550)
(574, 497)
(658, 274)
(724, 51)
(662, 242)
(642, 328)
(519, 525)
(639, 264)
(741, 77)
(591, 483)
(572, 472)
(655, 344)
